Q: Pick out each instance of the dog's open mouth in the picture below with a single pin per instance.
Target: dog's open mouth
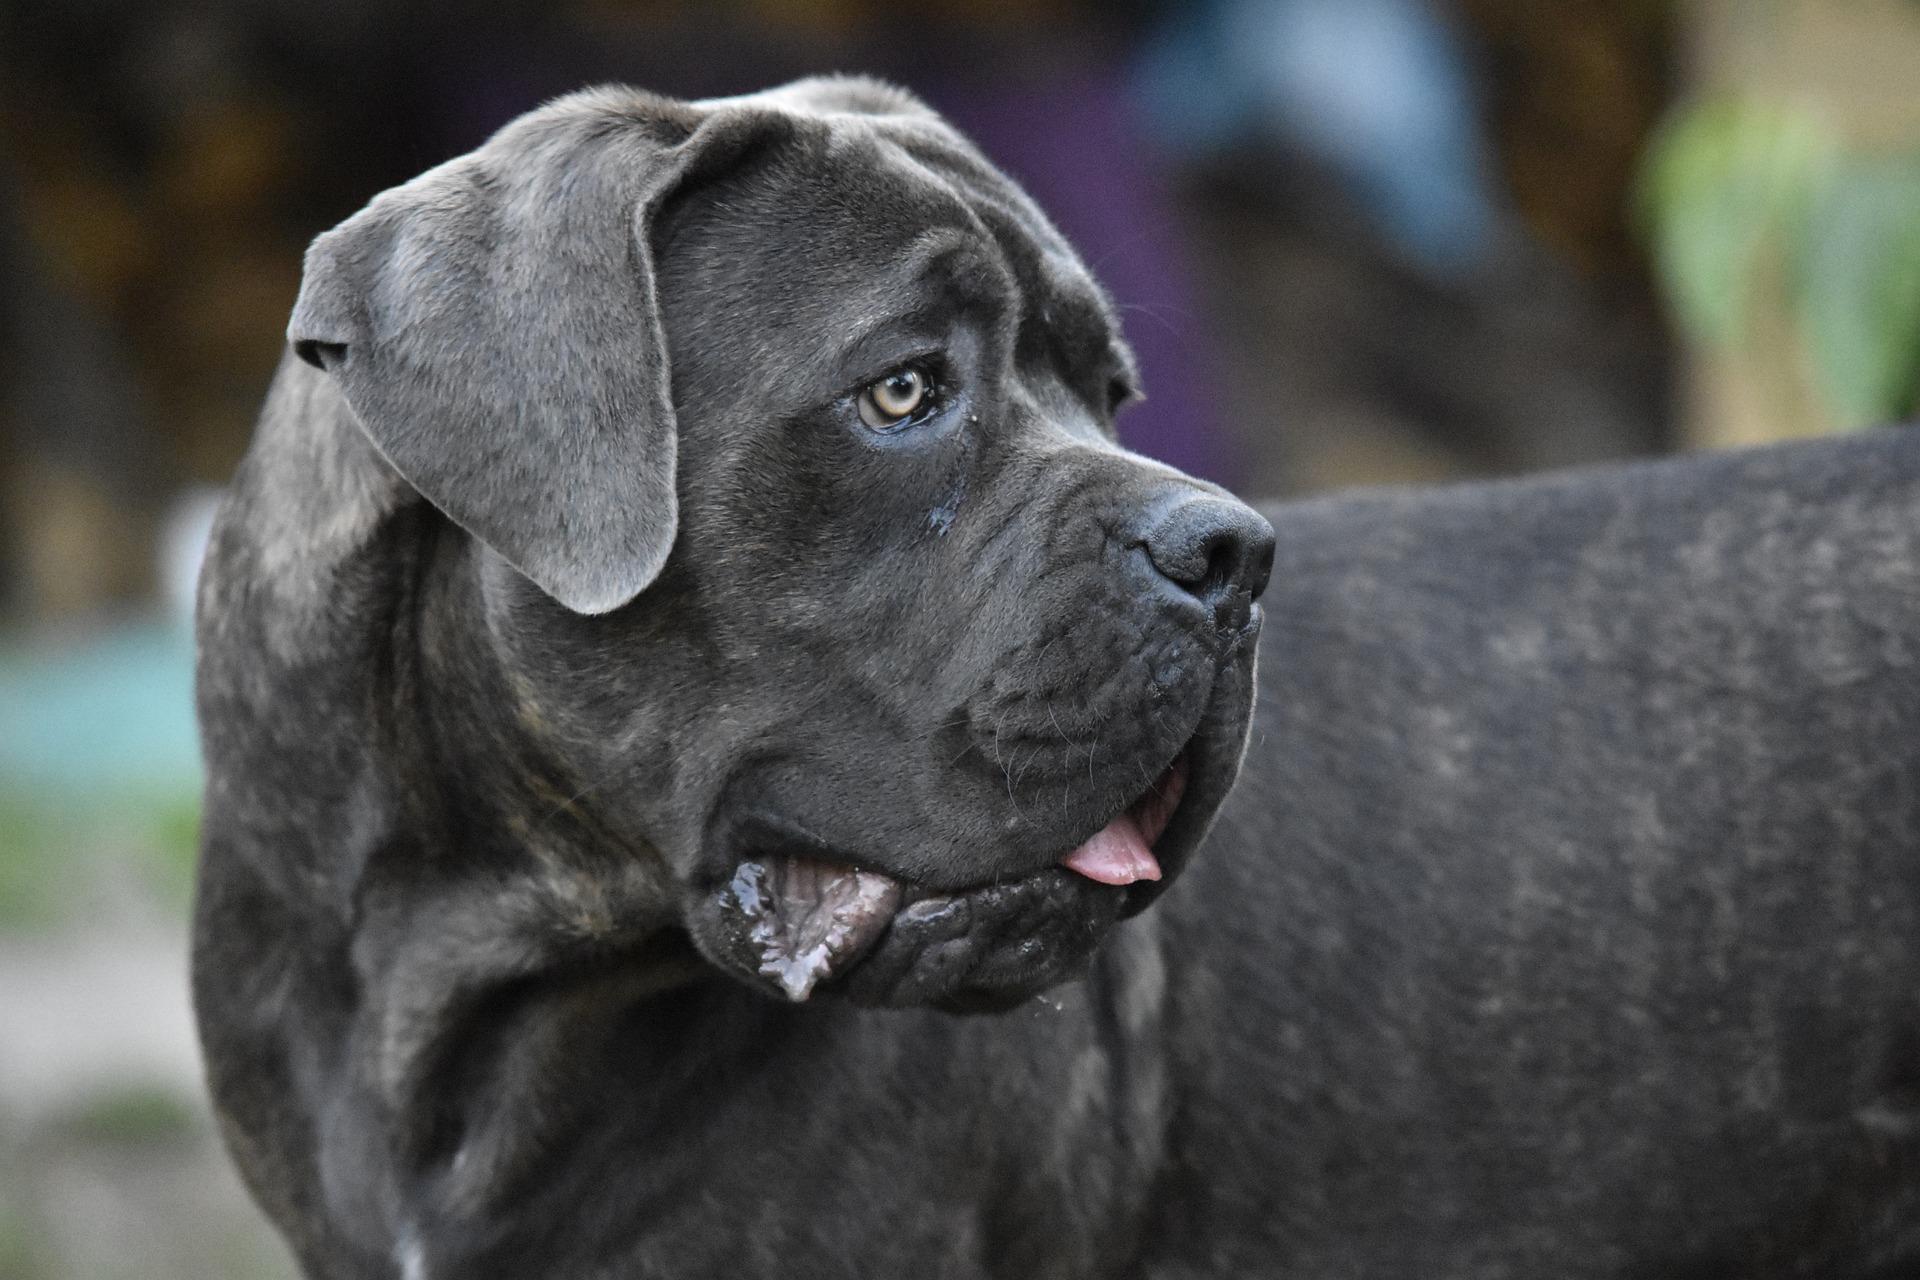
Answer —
(809, 920)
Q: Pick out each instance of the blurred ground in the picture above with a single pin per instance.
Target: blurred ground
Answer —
(109, 1165)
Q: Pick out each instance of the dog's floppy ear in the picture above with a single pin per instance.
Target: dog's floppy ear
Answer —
(493, 324)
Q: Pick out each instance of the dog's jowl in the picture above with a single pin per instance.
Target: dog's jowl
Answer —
(698, 707)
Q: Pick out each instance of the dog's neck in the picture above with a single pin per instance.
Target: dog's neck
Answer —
(523, 885)
(493, 930)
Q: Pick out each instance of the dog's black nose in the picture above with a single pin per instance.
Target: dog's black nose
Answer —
(1217, 550)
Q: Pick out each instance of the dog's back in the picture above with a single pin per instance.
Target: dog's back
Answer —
(1566, 919)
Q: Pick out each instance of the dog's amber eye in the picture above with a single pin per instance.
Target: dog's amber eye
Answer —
(894, 399)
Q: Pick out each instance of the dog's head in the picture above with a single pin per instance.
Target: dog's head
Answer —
(782, 429)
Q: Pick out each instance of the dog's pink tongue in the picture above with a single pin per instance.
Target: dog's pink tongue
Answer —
(1117, 854)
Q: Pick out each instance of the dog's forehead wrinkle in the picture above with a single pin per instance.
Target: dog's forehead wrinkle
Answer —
(905, 163)
(940, 282)
(1012, 214)
(857, 254)
(878, 160)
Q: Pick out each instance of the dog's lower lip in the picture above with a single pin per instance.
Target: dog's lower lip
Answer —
(808, 920)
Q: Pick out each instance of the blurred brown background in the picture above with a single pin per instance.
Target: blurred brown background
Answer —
(162, 166)
(1355, 241)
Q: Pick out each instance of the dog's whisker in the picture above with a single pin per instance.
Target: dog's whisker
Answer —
(1179, 322)
(1055, 721)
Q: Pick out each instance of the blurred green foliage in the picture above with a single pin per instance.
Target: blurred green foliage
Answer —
(31, 864)
(62, 852)
(135, 1114)
(20, 1256)
(1749, 204)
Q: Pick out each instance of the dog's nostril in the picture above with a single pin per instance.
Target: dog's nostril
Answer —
(1217, 550)
(1220, 554)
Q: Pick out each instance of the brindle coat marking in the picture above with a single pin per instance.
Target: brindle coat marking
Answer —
(1562, 925)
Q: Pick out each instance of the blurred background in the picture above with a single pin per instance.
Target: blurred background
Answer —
(1355, 242)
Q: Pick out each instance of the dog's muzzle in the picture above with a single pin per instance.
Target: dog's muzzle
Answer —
(795, 921)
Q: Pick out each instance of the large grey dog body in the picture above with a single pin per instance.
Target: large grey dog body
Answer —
(1562, 922)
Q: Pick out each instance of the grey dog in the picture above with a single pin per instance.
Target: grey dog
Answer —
(687, 678)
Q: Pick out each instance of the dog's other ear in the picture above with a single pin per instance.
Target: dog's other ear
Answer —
(493, 324)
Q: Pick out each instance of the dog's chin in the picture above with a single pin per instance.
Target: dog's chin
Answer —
(799, 926)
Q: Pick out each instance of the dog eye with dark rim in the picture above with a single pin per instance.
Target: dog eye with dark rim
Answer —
(899, 398)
